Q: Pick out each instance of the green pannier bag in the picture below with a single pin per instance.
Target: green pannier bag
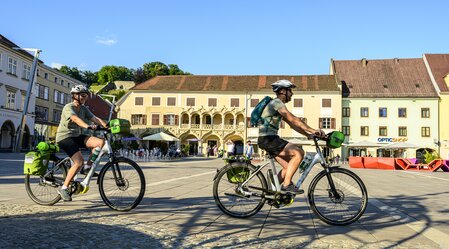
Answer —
(120, 126)
(238, 174)
(36, 163)
(335, 139)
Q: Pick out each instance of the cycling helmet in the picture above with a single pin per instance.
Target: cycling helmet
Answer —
(79, 89)
(281, 84)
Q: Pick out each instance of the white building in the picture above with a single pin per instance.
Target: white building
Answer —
(15, 72)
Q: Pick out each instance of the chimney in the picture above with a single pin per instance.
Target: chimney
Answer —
(396, 60)
(364, 62)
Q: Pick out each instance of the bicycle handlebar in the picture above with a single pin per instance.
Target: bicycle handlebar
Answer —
(100, 129)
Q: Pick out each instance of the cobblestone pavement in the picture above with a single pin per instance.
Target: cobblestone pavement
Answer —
(179, 212)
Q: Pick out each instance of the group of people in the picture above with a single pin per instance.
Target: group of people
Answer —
(76, 116)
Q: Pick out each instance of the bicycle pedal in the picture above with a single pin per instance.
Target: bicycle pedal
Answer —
(85, 189)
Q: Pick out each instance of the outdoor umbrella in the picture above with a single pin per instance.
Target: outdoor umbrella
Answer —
(401, 145)
(363, 144)
(160, 137)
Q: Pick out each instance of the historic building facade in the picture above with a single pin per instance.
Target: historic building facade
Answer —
(209, 110)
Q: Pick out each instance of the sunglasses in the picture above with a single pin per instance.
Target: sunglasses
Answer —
(83, 95)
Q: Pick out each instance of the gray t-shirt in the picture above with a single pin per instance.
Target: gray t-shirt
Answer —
(272, 118)
(68, 128)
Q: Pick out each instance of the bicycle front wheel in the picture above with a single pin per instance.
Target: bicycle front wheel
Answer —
(342, 205)
(43, 189)
(122, 184)
(235, 199)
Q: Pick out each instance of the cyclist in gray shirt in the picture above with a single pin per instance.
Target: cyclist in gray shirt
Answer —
(69, 138)
(287, 154)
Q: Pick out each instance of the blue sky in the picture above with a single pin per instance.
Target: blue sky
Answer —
(243, 37)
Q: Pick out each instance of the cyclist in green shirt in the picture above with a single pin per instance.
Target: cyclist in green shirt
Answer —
(69, 138)
(287, 154)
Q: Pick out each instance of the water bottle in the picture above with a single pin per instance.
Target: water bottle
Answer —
(305, 163)
(95, 154)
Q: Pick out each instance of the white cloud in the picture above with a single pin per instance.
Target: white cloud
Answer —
(56, 65)
(106, 41)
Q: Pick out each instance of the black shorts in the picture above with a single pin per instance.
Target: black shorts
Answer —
(272, 144)
(71, 145)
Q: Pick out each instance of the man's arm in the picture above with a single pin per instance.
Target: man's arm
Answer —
(77, 120)
(296, 123)
(99, 121)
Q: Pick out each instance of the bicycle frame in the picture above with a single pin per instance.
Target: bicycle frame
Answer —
(318, 158)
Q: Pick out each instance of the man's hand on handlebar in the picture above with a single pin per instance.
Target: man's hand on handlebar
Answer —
(320, 133)
(92, 127)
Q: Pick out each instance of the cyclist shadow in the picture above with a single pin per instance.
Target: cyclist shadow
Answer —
(72, 229)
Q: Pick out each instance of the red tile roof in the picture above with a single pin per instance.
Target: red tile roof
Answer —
(439, 65)
(236, 83)
(389, 78)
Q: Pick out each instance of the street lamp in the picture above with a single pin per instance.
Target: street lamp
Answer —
(20, 129)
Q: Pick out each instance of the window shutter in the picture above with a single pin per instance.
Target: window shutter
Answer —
(176, 119)
(320, 121)
(165, 120)
(333, 123)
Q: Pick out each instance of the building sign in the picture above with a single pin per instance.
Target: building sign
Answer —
(391, 139)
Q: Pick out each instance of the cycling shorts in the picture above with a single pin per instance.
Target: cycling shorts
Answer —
(71, 145)
(272, 144)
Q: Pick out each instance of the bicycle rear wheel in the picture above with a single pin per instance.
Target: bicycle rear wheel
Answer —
(122, 184)
(227, 195)
(43, 189)
(343, 206)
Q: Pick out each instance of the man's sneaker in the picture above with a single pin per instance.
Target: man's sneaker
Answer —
(65, 194)
(292, 189)
(86, 171)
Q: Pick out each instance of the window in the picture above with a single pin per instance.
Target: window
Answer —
(138, 101)
(12, 66)
(298, 103)
(10, 99)
(68, 84)
(402, 131)
(156, 101)
(346, 130)
(38, 73)
(327, 123)
(364, 131)
(382, 112)
(155, 119)
(234, 102)
(190, 101)
(254, 102)
(425, 131)
(26, 71)
(171, 119)
(22, 104)
(56, 96)
(56, 79)
(383, 131)
(402, 112)
(364, 112)
(212, 102)
(41, 113)
(57, 115)
(46, 76)
(425, 112)
(171, 101)
(346, 112)
(138, 119)
(326, 103)
(42, 91)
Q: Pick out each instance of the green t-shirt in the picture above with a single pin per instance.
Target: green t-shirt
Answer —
(272, 118)
(68, 128)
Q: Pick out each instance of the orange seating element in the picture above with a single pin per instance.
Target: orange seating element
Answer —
(402, 163)
(370, 163)
(386, 163)
(356, 162)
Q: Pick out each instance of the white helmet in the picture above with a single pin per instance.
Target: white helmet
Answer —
(281, 84)
(79, 89)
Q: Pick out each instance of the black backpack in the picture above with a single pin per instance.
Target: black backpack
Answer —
(256, 114)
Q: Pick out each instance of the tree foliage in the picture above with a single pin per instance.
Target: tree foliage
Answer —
(113, 73)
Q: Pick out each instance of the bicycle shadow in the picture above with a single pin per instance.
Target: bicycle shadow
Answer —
(72, 229)
(294, 226)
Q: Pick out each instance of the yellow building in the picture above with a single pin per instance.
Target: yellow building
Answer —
(438, 68)
(209, 110)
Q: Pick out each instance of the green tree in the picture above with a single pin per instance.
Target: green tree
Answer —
(72, 72)
(90, 77)
(139, 76)
(112, 73)
(154, 69)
